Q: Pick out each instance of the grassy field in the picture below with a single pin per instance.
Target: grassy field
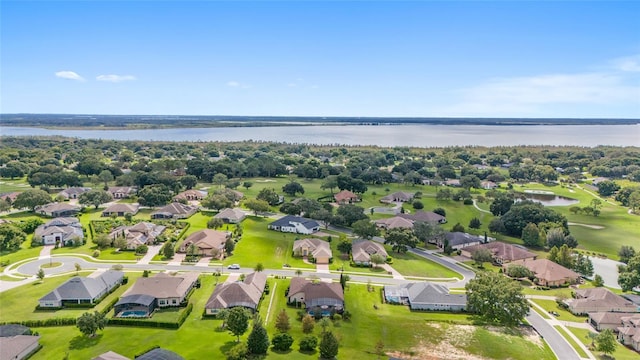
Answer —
(19, 303)
(357, 336)
(571, 341)
(621, 353)
(413, 265)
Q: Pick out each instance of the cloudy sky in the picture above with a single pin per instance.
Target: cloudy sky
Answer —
(333, 58)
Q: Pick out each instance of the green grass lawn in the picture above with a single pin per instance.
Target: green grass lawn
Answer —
(571, 341)
(550, 305)
(621, 353)
(413, 265)
(271, 248)
(19, 303)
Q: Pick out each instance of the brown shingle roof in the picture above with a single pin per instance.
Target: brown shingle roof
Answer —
(426, 216)
(11, 347)
(361, 250)
(206, 239)
(395, 222)
(318, 247)
(122, 208)
(163, 285)
(315, 290)
(503, 251)
(548, 270)
(345, 195)
(246, 293)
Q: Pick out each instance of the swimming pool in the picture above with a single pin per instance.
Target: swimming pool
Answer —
(133, 313)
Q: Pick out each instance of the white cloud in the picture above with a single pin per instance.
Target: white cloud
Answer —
(292, 84)
(69, 75)
(115, 78)
(236, 84)
(629, 63)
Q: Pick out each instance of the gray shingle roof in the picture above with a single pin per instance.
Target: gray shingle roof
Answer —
(160, 354)
(460, 238)
(84, 287)
(287, 220)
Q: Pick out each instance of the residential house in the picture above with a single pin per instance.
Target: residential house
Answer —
(73, 192)
(394, 223)
(208, 242)
(361, 251)
(58, 210)
(13, 330)
(121, 192)
(9, 196)
(191, 195)
(425, 296)
(453, 182)
(121, 209)
(607, 320)
(598, 300)
(458, 240)
(399, 196)
(345, 197)
(62, 231)
(327, 298)
(161, 290)
(142, 233)
(82, 290)
(245, 293)
(19, 347)
(548, 273)
(502, 253)
(425, 216)
(488, 185)
(110, 355)
(174, 210)
(231, 216)
(159, 354)
(318, 250)
(629, 332)
(295, 224)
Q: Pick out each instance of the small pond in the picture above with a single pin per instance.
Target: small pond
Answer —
(548, 199)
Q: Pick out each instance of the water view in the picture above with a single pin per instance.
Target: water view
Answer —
(548, 198)
(382, 135)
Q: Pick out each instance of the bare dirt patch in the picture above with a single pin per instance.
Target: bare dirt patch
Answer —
(448, 349)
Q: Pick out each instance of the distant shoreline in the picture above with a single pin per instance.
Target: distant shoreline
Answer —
(141, 122)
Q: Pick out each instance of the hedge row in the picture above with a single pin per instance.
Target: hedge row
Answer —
(154, 324)
(45, 322)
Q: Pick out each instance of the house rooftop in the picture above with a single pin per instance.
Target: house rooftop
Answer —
(11, 347)
(502, 250)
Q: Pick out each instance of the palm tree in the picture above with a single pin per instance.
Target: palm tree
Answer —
(298, 272)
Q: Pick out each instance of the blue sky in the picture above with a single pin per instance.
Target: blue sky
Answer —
(333, 58)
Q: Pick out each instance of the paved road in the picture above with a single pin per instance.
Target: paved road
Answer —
(558, 344)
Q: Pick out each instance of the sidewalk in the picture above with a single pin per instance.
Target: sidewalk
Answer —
(152, 251)
(394, 273)
(45, 253)
(177, 259)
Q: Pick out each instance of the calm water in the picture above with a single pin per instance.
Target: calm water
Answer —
(549, 199)
(382, 135)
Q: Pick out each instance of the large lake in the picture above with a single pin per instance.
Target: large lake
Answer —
(381, 135)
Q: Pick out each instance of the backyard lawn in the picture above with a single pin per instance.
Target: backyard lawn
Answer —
(621, 353)
(550, 305)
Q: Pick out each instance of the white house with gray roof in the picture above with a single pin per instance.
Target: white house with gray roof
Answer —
(295, 224)
(59, 231)
(73, 192)
(425, 296)
(83, 290)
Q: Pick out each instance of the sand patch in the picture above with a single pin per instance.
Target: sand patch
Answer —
(595, 227)
(265, 180)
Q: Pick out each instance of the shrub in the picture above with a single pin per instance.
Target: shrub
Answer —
(142, 249)
(96, 253)
(308, 343)
(282, 342)
(417, 204)
(467, 202)
(238, 352)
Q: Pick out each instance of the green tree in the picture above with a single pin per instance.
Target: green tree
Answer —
(155, 195)
(40, 274)
(496, 299)
(11, 237)
(292, 188)
(502, 203)
(247, 184)
(219, 179)
(583, 265)
(428, 232)
(607, 188)
(328, 345)
(531, 235)
(497, 226)
(330, 182)
(269, 195)
(258, 341)
(308, 323)
(626, 252)
(94, 197)
(629, 276)
(282, 342)
(350, 213)
(167, 250)
(282, 321)
(239, 351)
(598, 281)
(31, 199)
(606, 342)
(377, 259)
(481, 256)
(365, 229)
(105, 176)
(555, 237)
(259, 267)
(344, 246)
(256, 205)
(238, 321)
(189, 181)
(518, 271)
(217, 202)
(401, 239)
(457, 228)
(214, 223)
(229, 246)
(308, 343)
(102, 240)
(78, 268)
(474, 223)
(89, 323)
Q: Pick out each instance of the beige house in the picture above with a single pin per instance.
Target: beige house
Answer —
(548, 273)
(317, 249)
(18, 347)
(629, 332)
(142, 233)
(502, 253)
(121, 209)
(399, 196)
(57, 210)
(231, 216)
(598, 300)
(395, 222)
(191, 195)
(320, 296)
(345, 197)
(208, 242)
(121, 192)
(607, 320)
(245, 294)
(361, 251)
(174, 210)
